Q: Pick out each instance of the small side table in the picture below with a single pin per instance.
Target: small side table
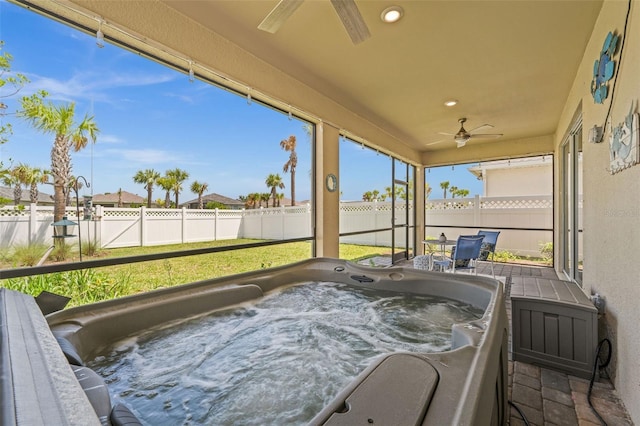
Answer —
(442, 264)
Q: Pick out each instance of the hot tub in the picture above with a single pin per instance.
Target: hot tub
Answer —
(465, 385)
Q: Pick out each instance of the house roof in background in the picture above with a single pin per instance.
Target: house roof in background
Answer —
(127, 198)
(6, 192)
(215, 198)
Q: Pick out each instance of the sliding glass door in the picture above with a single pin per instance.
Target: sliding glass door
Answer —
(572, 232)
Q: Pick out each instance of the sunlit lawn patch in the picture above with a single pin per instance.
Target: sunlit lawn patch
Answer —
(87, 286)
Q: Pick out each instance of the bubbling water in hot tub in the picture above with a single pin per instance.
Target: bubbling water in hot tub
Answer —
(278, 361)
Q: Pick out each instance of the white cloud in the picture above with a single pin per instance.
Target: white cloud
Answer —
(184, 98)
(91, 85)
(109, 139)
(144, 156)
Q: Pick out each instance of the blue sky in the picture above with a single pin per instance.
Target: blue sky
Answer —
(151, 116)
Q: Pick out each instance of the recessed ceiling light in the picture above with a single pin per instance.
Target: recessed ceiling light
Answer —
(451, 103)
(392, 14)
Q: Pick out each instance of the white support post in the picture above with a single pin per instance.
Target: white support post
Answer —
(215, 224)
(184, 225)
(476, 210)
(143, 226)
(282, 212)
(261, 223)
(99, 225)
(33, 222)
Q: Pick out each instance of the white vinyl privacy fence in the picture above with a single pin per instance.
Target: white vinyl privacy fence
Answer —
(525, 223)
(129, 227)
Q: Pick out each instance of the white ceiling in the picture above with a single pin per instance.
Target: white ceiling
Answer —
(509, 63)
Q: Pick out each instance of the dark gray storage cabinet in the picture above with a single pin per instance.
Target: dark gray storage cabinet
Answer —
(554, 324)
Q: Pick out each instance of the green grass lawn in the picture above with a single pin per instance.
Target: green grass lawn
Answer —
(92, 285)
(87, 286)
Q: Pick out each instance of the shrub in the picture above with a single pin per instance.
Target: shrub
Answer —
(62, 252)
(216, 205)
(504, 256)
(82, 286)
(27, 255)
(546, 250)
(90, 248)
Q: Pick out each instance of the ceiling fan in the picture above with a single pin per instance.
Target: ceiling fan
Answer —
(463, 135)
(346, 10)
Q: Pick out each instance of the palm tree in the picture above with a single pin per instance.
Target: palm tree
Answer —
(59, 120)
(274, 181)
(253, 200)
(148, 178)
(462, 192)
(388, 192)
(166, 183)
(280, 198)
(73, 180)
(20, 176)
(367, 196)
(444, 185)
(247, 200)
(35, 177)
(289, 145)
(265, 197)
(178, 177)
(9, 178)
(453, 190)
(199, 188)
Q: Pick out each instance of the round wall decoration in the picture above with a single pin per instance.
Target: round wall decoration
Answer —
(331, 182)
(603, 69)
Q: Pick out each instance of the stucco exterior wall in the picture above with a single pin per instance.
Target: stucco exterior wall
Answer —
(611, 202)
(519, 181)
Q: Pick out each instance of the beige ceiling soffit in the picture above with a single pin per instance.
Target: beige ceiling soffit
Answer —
(347, 134)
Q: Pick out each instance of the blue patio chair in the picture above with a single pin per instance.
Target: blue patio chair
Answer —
(464, 255)
(488, 246)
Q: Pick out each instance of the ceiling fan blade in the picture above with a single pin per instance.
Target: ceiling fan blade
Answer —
(446, 134)
(486, 135)
(481, 127)
(279, 15)
(352, 20)
(437, 142)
